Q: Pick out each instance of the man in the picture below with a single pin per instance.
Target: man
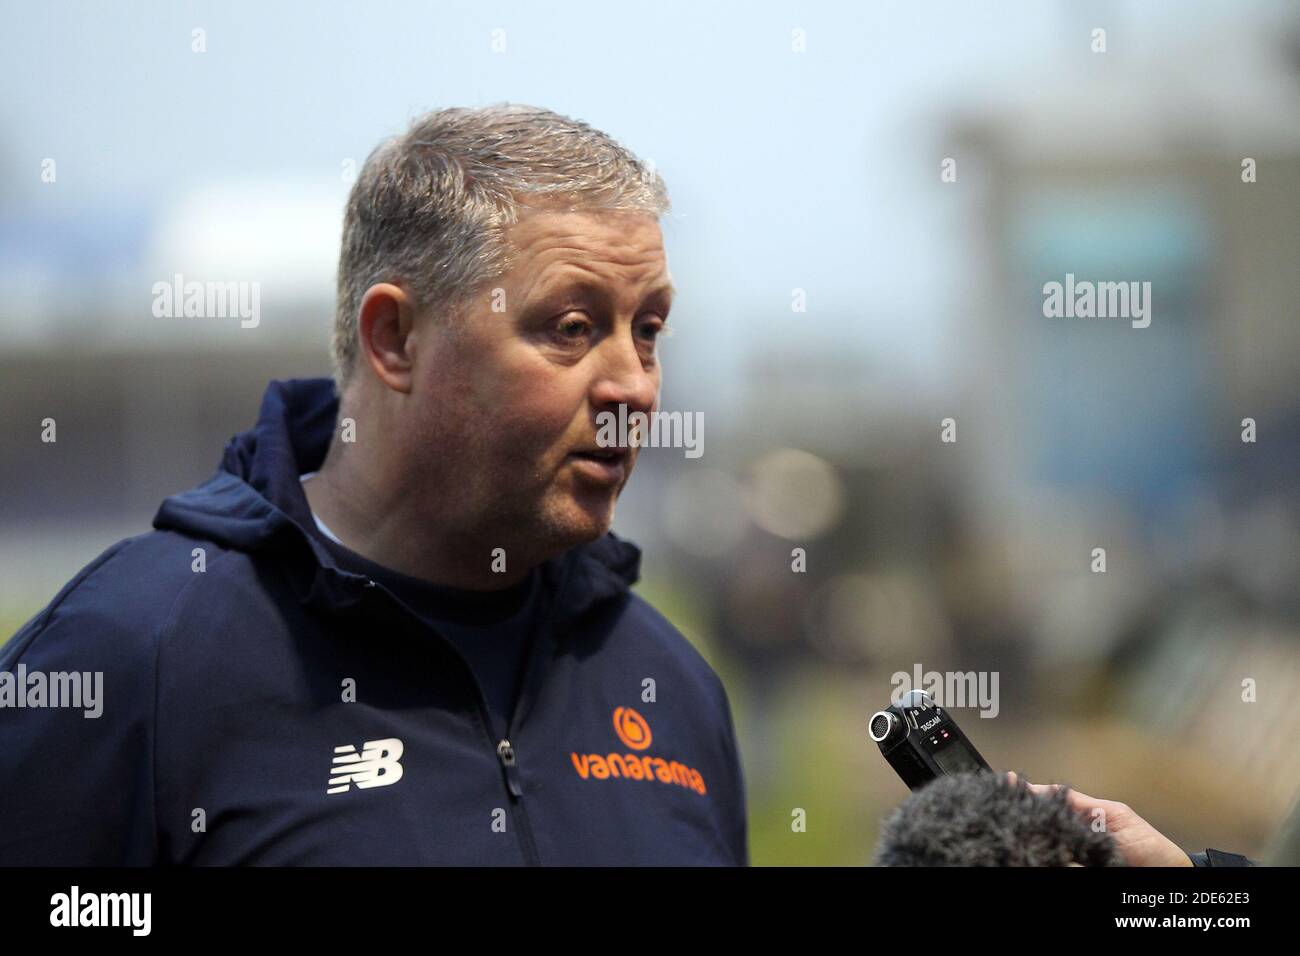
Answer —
(394, 627)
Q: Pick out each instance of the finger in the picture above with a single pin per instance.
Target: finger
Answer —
(1013, 778)
(1076, 801)
(1087, 806)
(1081, 801)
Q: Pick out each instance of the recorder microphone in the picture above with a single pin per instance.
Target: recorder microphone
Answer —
(921, 740)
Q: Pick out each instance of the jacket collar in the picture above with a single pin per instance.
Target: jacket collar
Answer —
(255, 502)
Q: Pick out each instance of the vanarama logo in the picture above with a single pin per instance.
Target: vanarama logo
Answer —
(631, 728)
(634, 733)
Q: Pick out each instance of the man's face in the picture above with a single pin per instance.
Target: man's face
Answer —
(509, 398)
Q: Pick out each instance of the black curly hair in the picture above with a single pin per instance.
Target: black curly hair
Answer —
(982, 819)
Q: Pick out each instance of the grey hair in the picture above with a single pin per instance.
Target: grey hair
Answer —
(430, 208)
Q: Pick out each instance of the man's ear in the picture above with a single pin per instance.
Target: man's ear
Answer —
(384, 325)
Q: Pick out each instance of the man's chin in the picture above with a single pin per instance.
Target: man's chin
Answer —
(581, 522)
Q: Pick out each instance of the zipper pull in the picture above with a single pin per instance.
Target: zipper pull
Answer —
(507, 755)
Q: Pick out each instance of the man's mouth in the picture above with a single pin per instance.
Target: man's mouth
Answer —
(602, 465)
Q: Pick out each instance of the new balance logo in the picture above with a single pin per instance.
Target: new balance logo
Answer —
(376, 766)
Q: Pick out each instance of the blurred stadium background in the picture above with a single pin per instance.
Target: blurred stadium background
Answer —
(816, 171)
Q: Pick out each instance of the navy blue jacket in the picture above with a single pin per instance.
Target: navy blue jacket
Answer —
(226, 738)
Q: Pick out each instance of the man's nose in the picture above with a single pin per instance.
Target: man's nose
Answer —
(624, 377)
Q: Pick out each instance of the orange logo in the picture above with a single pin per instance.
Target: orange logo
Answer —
(634, 733)
(631, 728)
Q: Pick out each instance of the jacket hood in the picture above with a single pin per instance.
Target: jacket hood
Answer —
(255, 502)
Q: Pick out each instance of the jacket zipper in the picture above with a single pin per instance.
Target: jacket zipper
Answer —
(506, 754)
(505, 750)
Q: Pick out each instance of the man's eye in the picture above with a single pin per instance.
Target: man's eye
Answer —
(650, 331)
(572, 328)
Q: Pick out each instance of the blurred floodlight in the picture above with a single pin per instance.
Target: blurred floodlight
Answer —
(795, 495)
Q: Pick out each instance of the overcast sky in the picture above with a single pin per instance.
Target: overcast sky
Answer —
(786, 170)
